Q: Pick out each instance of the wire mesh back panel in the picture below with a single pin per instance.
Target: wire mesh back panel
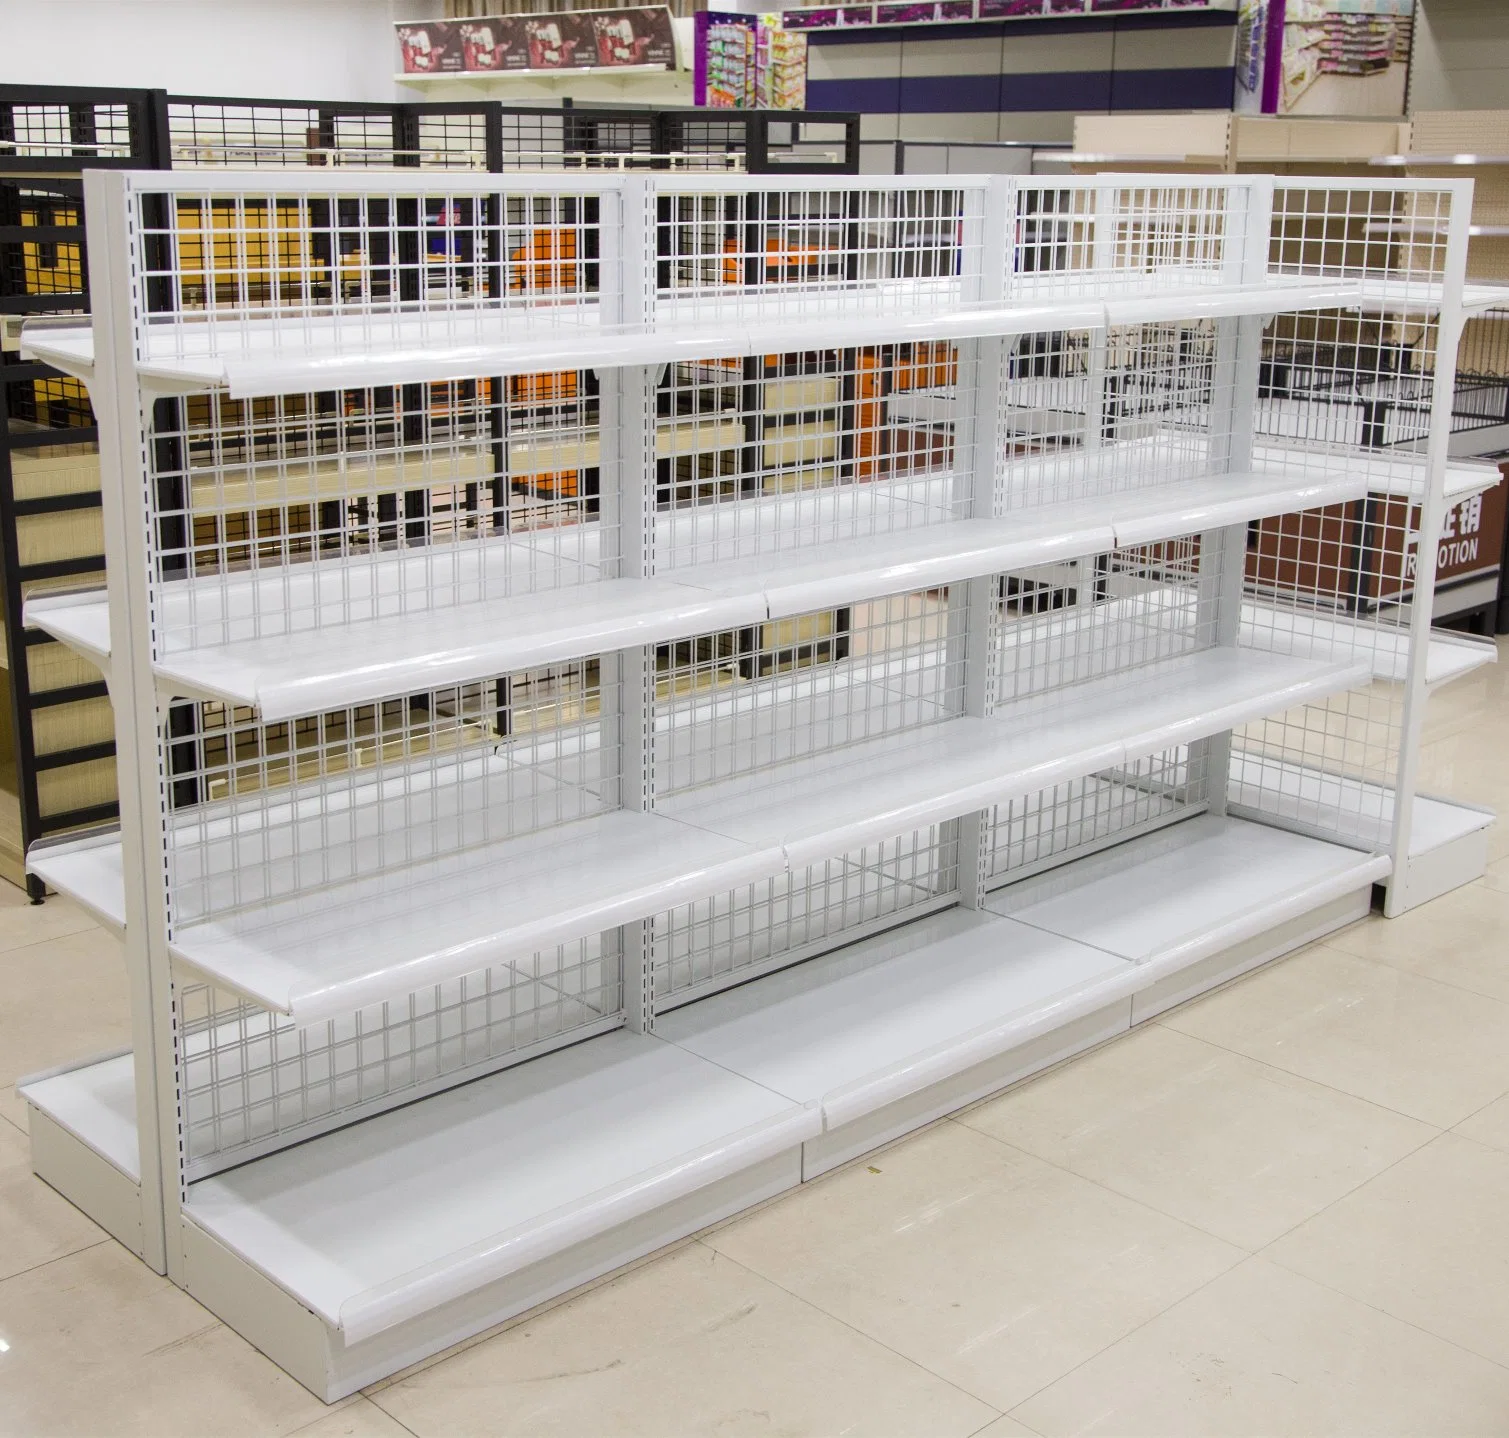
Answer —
(784, 450)
(1061, 626)
(287, 513)
(297, 511)
(738, 705)
(1348, 387)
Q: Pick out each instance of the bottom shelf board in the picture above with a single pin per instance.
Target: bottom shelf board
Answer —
(1189, 889)
(387, 1219)
(96, 1102)
(885, 1018)
(403, 1216)
(1332, 804)
(881, 1018)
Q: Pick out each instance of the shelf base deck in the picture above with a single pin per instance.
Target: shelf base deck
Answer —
(502, 1193)
(82, 1123)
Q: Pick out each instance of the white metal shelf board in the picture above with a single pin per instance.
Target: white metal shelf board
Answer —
(88, 871)
(890, 1014)
(1188, 890)
(1362, 812)
(255, 358)
(80, 620)
(338, 947)
(1391, 294)
(387, 1219)
(1331, 636)
(1381, 472)
(419, 641)
(329, 951)
(817, 807)
(95, 1102)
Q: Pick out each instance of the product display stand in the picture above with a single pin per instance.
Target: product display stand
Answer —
(961, 645)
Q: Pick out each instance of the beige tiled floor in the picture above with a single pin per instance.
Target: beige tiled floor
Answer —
(1282, 1209)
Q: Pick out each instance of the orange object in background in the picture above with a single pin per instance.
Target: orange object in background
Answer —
(930, 365)
(547, 262)
(557, 484)
(784, 260)
(549, 387)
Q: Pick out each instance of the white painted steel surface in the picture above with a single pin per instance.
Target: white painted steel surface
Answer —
(384, 1219)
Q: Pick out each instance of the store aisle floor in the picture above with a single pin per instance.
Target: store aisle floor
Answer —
(1280, 1209)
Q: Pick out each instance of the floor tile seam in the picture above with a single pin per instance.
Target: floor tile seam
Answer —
(1242, 1248)
(1219, 1048)
(1424, 1142)
(60, 1257)
(1457, 1126)
(1445, 983)
(87, 926)
(1310, 1078)
(351, 1400)
(1289, 1268)
(880, 1343)
(1326, 1207)
(518, 1320)
(13, 1124)
(1136, 1328)
(984, 1426)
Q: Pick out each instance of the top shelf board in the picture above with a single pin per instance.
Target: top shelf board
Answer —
(258, 356)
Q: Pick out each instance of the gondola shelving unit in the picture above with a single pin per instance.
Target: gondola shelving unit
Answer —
(958, 648)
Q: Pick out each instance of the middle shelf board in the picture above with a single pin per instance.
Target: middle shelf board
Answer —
(253, 358)
(349, 660)
(488, 1177)
(382, 935)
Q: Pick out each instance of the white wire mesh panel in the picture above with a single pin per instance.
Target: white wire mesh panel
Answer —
(748, 701)
(1352, 388)
(1089, 413)
(732, 937)
(284, 514)
(742, 701)
(252, 1080)
(795, 248)
(1069, 624)
(361, 262)
(259, 811)
(785, 451)
(1100, 236)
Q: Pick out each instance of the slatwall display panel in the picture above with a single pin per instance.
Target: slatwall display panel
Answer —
(1070, 623)
(252, 1081)
(794, 248)
(260, 811)
(778, 452)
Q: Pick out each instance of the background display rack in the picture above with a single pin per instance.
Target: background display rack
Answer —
(967, 651)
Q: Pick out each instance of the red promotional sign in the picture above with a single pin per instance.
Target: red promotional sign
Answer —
(570, 40)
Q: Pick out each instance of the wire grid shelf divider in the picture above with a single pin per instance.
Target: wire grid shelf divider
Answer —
(234, 518)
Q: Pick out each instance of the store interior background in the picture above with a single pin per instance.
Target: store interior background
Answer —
(912, 87)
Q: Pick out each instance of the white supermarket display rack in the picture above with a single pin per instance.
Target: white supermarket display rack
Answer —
(632, 690)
